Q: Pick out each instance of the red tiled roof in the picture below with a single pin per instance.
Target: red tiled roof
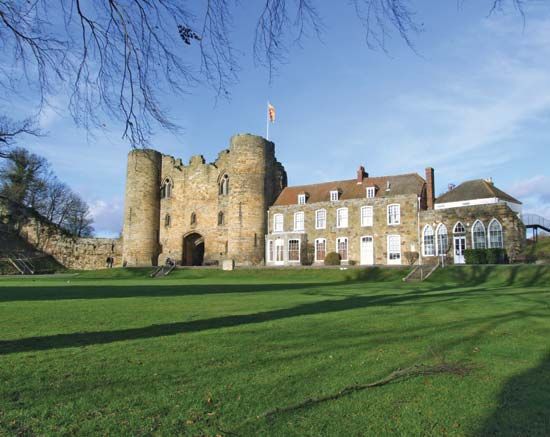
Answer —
(410, 183)
(475, 189)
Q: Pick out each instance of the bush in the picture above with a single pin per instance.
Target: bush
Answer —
(352, 262)
(411, 257)
(485, 256)
(496, 256)
(332, 259)
(307, 255)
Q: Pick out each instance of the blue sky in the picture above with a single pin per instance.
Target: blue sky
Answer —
(474, 102)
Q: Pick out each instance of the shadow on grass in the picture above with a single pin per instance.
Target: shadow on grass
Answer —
(523, 405)
(320, 307)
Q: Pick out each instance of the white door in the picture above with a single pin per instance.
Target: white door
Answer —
(459, 247)
(367, 251)
(279, 251)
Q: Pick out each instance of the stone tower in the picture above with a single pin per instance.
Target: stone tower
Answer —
(256, 180)
(142, 208)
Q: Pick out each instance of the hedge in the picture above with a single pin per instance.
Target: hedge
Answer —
(486, 256)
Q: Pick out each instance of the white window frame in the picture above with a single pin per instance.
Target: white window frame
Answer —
(396, 216)
(459, 232)
(365, 217)
(474, 246)
(432, 245)
(270, 249)
(489, 234)
(299, 224)
(288, 250)
(371, 192)
(394, 261)
(324, 211)
(318, 240)
(347, 247)
(301, 199)
(438, 233)
(334, 196)
(339, 219)
(276, 227)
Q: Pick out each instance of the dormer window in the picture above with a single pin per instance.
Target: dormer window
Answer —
(301, 199)
(334, 196)
(371, 192)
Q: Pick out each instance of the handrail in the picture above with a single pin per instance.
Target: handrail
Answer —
(535, 220)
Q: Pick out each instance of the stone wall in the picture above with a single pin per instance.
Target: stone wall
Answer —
(379, 229)
(71, 252)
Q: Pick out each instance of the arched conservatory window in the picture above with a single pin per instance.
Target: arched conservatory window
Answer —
(459, 229)
(479, 241)
(429, 241)
(495, 234)
(442, 240)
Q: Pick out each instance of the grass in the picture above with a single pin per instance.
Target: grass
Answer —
(204, 352)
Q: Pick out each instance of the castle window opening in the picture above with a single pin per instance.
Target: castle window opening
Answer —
(166, 189)
(221, 218)
(167, 221)
(224, 185)
(193, 218)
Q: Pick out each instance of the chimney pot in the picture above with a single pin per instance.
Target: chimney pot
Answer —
(361, 174)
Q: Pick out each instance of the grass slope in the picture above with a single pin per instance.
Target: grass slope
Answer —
(205, 352)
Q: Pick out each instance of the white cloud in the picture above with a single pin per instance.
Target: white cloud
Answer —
(107, 215)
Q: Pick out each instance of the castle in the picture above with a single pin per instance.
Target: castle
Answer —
(239, 208)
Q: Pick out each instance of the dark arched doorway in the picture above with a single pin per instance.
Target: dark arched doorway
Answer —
(193, 250)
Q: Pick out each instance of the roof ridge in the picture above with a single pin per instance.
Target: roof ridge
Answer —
(353, 180)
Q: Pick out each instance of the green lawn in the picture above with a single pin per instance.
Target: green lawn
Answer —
(206, 352)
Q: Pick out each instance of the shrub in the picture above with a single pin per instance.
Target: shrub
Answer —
(496, 256)
(475, 256)
(332, 259)
(307, 255)
(352, 262)
(411, 257)
(485, 256)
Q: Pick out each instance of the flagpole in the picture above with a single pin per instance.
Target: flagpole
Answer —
(267, 121)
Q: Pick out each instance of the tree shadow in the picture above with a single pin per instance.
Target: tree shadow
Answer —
(523, 405)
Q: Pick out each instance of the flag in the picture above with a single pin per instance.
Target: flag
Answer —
(271, 112)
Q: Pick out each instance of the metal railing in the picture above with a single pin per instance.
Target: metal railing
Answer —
(535, 220)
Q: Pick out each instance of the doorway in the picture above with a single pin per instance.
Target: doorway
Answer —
(459, 247)
(193, 250)
(367, 251)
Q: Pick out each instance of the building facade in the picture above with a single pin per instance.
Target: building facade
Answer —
(239, 207)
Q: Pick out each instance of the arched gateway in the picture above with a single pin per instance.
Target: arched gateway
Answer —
(193, 250)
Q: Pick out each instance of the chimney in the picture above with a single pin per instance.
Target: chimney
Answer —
(361, 174)
(430, 188)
